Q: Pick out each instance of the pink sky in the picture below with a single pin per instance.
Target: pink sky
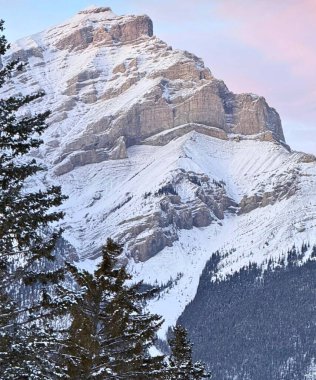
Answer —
(266, 47)
(284, 33)
(261, 46)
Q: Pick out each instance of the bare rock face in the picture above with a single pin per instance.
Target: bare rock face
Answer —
(203, 111)
(25, 54)
(112, 86)
(78, 39)
(113, 81)
(184, 70)
(252, 115)
(204, 107)
(116, 30)
(307, 158)
(90, 156)
(147, 235)
(130, 31)
(282, 188)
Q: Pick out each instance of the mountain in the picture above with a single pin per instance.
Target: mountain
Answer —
(260, 322)
(156, 153)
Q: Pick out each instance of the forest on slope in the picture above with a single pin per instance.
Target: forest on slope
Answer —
(258, 323)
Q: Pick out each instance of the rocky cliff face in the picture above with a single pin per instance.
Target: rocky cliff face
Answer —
(111, 84)
(157, 153)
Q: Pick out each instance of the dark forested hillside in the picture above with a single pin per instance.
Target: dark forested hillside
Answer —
(257, 324)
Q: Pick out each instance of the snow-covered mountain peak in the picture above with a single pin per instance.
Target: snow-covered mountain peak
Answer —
(158, 154)
(111, 84)
(99, 26)
(93, 26)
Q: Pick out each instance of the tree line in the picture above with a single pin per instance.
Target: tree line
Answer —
(258, 322)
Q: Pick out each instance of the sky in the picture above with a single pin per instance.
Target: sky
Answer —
(266, 47)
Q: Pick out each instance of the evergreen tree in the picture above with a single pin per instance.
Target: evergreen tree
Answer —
(181, 363)
(28, 267)
(24, 216)
(111, 333)
(7, 327)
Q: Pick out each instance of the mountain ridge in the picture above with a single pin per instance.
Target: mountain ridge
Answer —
(86, 60)
(158, 154)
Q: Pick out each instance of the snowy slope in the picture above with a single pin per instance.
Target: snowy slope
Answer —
(246, 167)
(156, 153)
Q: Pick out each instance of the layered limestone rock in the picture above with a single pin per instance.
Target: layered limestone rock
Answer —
(115, 30)
(88, 156)
(171, 134)
(146, 235)
(203, 111)
(283, 187)
(111, 84)
(251, 115)
(112, 87)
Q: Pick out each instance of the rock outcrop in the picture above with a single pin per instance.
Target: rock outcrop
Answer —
(159, 155)
(116, 85)
(117, 30)
(149, 234)
(132, 129)
(283, 186)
